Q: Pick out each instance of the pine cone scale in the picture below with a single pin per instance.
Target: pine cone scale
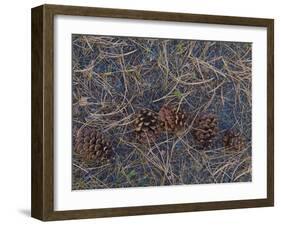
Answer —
(205, 128)
(92, 147)
(173, 120)
(146, 125)
(234, 141)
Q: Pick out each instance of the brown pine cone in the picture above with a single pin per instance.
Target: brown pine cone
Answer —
(233, 141)
(205, 128)
(92, 147)
(146, 125)
(173, 120)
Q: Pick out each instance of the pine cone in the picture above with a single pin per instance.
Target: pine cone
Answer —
(205, 129)
(146, 125)
(92, 147)
(173, 120)
(233, 141)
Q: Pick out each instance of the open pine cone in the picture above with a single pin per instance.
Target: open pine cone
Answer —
(146, 125)
(234, 141)
(173, 120)
(205, 128)
(92, 147)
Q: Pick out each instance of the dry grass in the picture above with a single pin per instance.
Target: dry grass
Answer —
(115, 77)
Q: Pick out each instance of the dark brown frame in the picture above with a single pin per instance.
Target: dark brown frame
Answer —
(42, 203)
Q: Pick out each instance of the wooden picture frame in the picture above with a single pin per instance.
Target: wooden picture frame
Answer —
(43, 112)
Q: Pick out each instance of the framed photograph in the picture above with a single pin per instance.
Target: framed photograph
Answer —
(141, 112)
